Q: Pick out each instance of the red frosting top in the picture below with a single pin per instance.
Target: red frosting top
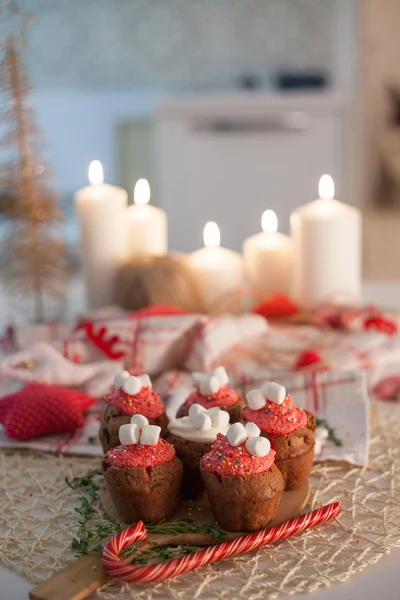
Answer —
(277, 419)
(139, 455)
(228, 460)
(146, 403)
(224, 398)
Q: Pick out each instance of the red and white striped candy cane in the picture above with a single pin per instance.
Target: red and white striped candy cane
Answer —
(146, 574)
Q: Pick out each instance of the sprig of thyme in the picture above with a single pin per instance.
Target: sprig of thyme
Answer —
(91, 535)
(332, 437)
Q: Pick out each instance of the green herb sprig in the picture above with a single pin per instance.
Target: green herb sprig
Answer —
(91, 534)
(332, 437)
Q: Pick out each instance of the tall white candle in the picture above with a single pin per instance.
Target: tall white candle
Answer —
(267, 259)
(146, 224)
(326, 237)
(101, 211)
(220, 270)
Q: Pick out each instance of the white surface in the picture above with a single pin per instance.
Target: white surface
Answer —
(228, 157)
(378, 581)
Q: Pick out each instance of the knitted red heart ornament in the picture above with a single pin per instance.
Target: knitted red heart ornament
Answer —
(40, 409)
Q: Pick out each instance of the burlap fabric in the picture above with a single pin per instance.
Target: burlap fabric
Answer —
(37, 523)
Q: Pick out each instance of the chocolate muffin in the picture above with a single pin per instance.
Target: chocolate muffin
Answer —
(130, 395)
(289, 428)
(192, 438)
(243, 484)
(143, 475)
(212, 391)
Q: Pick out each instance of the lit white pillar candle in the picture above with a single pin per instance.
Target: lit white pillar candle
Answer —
(326, 238)
(220, 270)
(101, 211)
(146, 224)
(267, 259)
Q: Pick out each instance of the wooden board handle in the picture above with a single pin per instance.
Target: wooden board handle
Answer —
(76, 582)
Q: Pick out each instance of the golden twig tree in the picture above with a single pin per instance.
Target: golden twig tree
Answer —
(33, 257)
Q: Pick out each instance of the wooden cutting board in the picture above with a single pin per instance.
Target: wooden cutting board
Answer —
(86, 574)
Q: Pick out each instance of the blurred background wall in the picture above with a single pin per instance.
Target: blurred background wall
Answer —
(99, 62)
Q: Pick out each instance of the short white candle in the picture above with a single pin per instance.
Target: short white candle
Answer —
(267, 259)
(220, 270)
(326, 237)
(101, 212)
(146, 224)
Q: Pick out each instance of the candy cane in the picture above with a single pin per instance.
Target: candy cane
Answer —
(146, 574)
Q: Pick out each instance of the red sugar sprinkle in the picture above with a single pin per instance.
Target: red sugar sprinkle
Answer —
(277, 419)
(138, 455)
(224, 398)
(225, 459)
(146, 403)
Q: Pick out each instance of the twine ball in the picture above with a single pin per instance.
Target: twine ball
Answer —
(149, 280)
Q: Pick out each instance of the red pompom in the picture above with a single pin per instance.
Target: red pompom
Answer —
(40, 409)
(381, 324)
(307, 358)
(277, 306)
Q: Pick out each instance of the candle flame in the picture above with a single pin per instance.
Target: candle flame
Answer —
(96, 172)
(326, 187)
(141, 193)
(269, 221)
(211, 235)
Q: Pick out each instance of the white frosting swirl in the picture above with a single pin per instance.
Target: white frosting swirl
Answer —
(188, 429)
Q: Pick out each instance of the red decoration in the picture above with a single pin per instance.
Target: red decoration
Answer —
(277, 306)
(157, 310)
(178, 566)
(306, 359)
(40, 409)
(97, 334)
(382, 324)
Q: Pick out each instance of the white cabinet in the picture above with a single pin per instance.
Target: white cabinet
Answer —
(228, 158)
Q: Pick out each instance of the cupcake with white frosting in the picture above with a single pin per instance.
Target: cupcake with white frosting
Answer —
(192, 437)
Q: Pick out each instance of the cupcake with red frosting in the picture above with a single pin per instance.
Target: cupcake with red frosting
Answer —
(130, 396)
(243, 484)
(289, 428)
(212, 391)
(143, 474)
(192, 437)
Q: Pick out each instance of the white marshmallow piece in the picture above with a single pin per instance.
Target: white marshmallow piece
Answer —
(140, 421)
(274, 392)
(197, 377)
(195, 410)
(219, 418)
(252, 430)
(236, 434)
(132, 385)
(258, 446)
(202, 422)
(221, 375)
(321, 433)
(120, 378)
(255, 399)
(129, 434)
(209, 385)
(150, 435)
(145, 380)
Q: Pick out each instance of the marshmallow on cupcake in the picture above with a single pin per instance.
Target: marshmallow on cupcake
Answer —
(211, 390)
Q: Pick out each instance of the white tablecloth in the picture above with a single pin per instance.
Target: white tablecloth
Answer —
(378, 581)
